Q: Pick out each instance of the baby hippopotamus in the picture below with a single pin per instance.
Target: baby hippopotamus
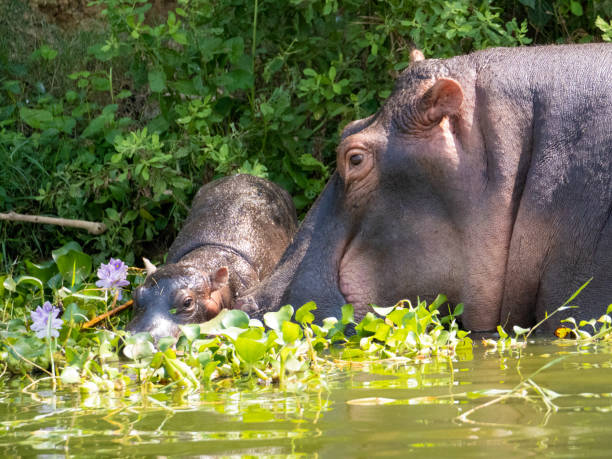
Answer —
(236, 232)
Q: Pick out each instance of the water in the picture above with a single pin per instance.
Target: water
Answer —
(377, 410)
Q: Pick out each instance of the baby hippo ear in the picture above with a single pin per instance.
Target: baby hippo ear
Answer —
(149, 267)
(220, 278)
(444, 98)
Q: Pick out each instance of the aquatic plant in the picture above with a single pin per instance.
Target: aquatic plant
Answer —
(113, 277)
(287, 349)
(45, 321)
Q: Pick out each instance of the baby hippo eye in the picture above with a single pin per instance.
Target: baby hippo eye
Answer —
(356, 159)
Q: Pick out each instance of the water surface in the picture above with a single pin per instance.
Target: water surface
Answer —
(377, 409)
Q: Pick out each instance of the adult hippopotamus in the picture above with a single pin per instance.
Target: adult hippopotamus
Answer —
(236, 232)
(487, 177)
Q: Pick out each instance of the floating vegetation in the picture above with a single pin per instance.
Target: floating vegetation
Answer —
(287, 350)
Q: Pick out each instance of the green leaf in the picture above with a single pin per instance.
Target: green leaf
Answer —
(382, 311)
(47, 52)
(368, 325)
(72, 313)
(157, 80)
(576, 293)
(291, 332)
(310, 163)
(397, 316)
(96, 126)
(139, 346)
(303, 314)
(180, 38)
(112, 214)
(144, 213)
(266, 109)
(249, 350)
(9, 284)
(100, 84)
(124, 94)
(235, 318)
(332, 73)
(348, 314)
(275, 320)
(37, 119)
(29, 280)
(382, 331)
(236, 80)
(190, 331)
(576, 8)
(439, 301)
(518, 331)
(502, 333)
(73, 264)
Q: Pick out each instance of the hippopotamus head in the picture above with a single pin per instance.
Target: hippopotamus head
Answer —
(485, 177)
(178, 294)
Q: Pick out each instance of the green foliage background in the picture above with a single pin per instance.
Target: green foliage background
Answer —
(122, 121)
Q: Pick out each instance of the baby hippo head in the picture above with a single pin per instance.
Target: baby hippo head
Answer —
(178, 294)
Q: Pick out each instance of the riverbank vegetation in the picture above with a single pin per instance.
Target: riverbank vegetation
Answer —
(121, 119)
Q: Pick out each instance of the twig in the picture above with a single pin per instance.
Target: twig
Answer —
(101, 317)
(91, 227)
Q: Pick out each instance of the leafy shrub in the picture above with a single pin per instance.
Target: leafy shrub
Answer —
(125, 129)
(560, 21)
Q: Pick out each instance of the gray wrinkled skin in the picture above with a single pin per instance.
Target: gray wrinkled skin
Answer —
(242, 223)
(487, 177)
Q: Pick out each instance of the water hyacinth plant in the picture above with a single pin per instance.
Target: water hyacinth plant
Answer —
(45, 321)
(287, 348)
(113, 277)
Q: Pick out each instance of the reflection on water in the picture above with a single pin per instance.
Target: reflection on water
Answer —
(487, 404)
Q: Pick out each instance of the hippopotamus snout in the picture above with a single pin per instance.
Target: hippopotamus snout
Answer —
(158, 325)
(178, 294)
(151, 316)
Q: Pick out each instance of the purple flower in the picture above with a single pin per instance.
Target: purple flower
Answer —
(113, 276)
(40, 320)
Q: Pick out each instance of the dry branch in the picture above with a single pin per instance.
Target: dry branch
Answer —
(92, 227)
(101, 317)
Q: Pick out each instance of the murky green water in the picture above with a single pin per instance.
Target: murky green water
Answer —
(375, 411)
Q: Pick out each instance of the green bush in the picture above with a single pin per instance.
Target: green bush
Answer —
(561, 21)
(125, 129)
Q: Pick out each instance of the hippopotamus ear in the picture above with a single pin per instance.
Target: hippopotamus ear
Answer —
(149, 267)
(444, 98)
(416, 55)
(220, 278)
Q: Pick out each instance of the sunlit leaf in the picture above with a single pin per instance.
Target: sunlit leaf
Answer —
(291, 332)
(235, 318)
(249, 350)
(303, 314)
(275, 320)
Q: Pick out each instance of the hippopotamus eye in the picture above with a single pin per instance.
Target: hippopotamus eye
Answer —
(187, 302)
(356, 159)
